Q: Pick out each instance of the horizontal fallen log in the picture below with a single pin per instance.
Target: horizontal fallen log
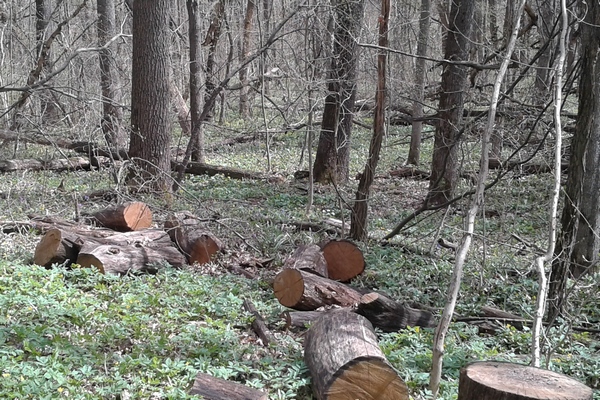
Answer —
(258, 324)
(299, 320)
(131, 216)
(211, 388)
(195, 242)
(308, 258)
(61, 164)
(196, 168)
(345, 361)
(392, 316)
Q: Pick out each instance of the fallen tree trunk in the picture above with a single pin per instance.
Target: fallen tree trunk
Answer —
(296, 320)
(344, 260)
(345, 361)
(211, 388)
(392, 316)
(56, 248)
(259, 325)
(195, 242)
(196, 168)
(133, 216)
(507, 381)
(32, 164)
(308, 258)
(304, 291)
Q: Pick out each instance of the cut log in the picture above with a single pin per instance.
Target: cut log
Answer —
(391, 316)
(504, 317)
(197, 168)
(64, 164)
(304, 291)
(195, 242)
(507, 381)
(308, 258)
(344, 260)
(126, 217)
(56, 248)
(143, 251)
(211, 388)
(300, 320)
(345, 361)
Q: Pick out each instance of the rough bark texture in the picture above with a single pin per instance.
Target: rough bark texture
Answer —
(112, 114)
(193, 8)
(211, 40)
(344, 260)
(245, 51)
(308, 258)
(506, 381)
(345, 362)
(64, 164)
(304, 291)
(359, 217)
(578, 243)
(150, 137)
(391, 316)
(126, 217)
(211, 388)
(195, 241)
(445, 163)
(333, 152)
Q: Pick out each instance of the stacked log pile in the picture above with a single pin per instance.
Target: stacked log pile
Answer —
(126, 242)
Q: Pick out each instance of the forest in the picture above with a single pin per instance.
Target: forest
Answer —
(300, 199)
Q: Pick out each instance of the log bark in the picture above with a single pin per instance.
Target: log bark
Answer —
(56, 248)
(211, 388)
(258, 324)
(300, 320)
(197, 168)
(126, 217)
(32, 164)
(195, 242)
(308, 258)
(344, 260)
(392, 316)
(143, 251)
(507, 381)
(345, 361)
(304, 291)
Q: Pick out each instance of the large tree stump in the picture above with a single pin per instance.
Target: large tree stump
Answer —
(507, 381)
(126, 217)
(305, 291)
(308, 258)
(142, 251)
(199, 245)
(345, 362)
(344, 260)
(211, 388)
(391, 316)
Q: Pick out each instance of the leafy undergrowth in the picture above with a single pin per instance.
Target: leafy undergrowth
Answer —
(77, 334)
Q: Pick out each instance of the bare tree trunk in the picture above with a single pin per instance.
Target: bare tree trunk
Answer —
(579, 243)
(417, 125)
(150, 101)
(444, 168)
(195, 79)
(212, 38)
(542, 260)
(477, 201)
(112, 114)
(246, 43)
(547, 11)
(359, 219)
(43, 13)
(333, 152)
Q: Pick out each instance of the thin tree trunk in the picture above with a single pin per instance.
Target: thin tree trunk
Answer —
(477, 201)
(246, 43)
(195, 79)
(417, 125)
(212, 38)
(359, 218)
(542, 260)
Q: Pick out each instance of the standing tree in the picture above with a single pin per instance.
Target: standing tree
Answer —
(112, 114)
(195, 79)
(211, 40)
(444, 168)
(333, 152)
(579, 243)
(150, 137)
(245, 51)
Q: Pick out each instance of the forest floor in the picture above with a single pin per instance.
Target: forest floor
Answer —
(73, 333)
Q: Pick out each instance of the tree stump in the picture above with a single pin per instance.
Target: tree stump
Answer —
(391, 316)
(344, 260)
(345, 362)
(126, 217)
(56, 248)
(195, 242)
(211, 388)
(308, 258)
(305, 291)
(498, 380)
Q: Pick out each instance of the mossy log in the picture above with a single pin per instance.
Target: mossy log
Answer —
(133, 216)
(391, 316)
(304, 291)
(507, 381)
(344, 260)
(195, 242)
(308, 258)
(211, 388)
(345, 361)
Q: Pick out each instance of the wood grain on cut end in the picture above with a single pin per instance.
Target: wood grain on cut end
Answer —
(89, 260)
(203, 249)
(344, 260)
(289, 287)
(47, 247)
(367, 379)
(494, 380)
(137, 216)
